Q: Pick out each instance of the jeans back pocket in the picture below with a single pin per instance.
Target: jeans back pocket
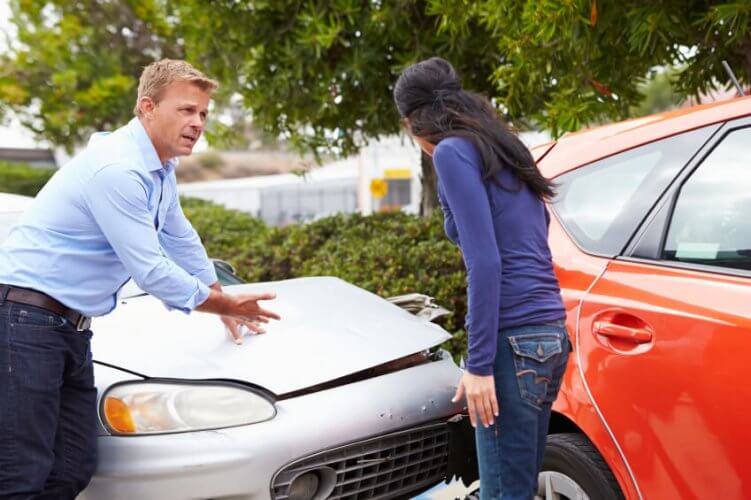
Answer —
(537, 357)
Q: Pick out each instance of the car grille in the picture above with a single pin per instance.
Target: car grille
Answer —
(389, 466)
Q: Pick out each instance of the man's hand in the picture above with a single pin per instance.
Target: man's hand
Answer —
(245, 307)
(235, 326)
(239, 310)
(481, 398)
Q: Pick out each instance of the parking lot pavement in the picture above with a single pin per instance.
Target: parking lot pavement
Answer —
(451, 491)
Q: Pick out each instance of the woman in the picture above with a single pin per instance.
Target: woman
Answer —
(493, 199)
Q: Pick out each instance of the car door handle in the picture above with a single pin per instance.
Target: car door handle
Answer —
(608, 329)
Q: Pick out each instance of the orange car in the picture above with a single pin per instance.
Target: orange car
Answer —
(651, 238)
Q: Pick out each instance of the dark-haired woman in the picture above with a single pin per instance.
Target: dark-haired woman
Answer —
(493, 198)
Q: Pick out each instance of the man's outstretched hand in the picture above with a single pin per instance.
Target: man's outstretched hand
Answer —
(235, 328)
(238, 311)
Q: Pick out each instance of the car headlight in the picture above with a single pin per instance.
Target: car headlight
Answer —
(153, 408)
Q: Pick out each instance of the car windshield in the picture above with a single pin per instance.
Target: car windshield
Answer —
(224, 272)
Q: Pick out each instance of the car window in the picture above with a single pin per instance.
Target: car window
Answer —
(225, 273)
(711, 222)
(601, 204)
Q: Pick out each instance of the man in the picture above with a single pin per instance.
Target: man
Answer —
(111, 213)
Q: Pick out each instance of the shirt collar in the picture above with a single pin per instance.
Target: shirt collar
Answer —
(146, 148)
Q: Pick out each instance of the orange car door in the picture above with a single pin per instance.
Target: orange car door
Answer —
(664, 334)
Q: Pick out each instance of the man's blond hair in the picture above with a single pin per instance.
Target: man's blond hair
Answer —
(157, 76)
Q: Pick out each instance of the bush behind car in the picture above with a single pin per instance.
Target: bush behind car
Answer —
(23, 179)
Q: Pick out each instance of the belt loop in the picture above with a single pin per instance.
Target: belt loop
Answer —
(4, 290)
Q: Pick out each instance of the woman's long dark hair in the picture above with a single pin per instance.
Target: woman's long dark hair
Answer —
(429, 95)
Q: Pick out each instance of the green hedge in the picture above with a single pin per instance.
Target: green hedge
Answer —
(388, 254)
(23, 179)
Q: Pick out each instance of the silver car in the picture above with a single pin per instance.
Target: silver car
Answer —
(348, 396)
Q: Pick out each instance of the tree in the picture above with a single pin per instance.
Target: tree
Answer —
(322, 72)
(75, 66)
(565, 64)
(659, 94)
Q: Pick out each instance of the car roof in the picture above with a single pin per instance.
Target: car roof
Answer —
(14, 202)
(586, 146)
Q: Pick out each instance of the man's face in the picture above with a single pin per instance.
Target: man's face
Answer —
(176, 122)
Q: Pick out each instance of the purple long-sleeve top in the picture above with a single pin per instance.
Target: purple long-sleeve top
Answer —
(502, 234)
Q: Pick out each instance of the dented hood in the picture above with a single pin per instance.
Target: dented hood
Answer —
(329, 329)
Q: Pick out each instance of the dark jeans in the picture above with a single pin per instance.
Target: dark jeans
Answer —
(48, 415)
(529, 365)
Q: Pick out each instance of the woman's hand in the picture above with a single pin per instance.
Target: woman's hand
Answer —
(481, 399)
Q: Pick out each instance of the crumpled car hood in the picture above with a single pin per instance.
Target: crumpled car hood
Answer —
(329, 329)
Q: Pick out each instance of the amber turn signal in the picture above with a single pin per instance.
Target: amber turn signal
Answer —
(118, 415)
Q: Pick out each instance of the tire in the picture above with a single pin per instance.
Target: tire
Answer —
(572, 466)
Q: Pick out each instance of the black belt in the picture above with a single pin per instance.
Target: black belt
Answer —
(31, 297)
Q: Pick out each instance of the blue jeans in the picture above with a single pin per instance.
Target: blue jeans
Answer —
(529, 365)
(48, 414)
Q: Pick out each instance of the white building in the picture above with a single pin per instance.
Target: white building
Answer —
(341, 186)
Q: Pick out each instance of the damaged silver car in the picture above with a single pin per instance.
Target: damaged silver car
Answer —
(347, 397)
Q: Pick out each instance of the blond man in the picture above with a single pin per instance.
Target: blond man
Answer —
(110, 214)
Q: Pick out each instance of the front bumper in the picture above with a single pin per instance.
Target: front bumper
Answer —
(241, 462)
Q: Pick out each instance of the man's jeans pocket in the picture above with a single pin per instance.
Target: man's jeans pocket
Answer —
(31, 317)
(539, 361)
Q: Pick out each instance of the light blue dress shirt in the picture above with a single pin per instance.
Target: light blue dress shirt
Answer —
(112, 212)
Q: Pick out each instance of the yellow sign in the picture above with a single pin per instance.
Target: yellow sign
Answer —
(378, 188)
(397, 173)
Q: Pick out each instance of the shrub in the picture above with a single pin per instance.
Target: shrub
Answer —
(23, 179)
(387, 254)
(226, 234)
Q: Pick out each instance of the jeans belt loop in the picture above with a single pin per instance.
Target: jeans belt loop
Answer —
(4, 289)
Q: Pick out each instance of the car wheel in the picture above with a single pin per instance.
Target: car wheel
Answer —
(573, 469)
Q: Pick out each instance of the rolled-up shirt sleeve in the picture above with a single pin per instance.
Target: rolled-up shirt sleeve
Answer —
(118, 200)
(183, 245)
(465, 195)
